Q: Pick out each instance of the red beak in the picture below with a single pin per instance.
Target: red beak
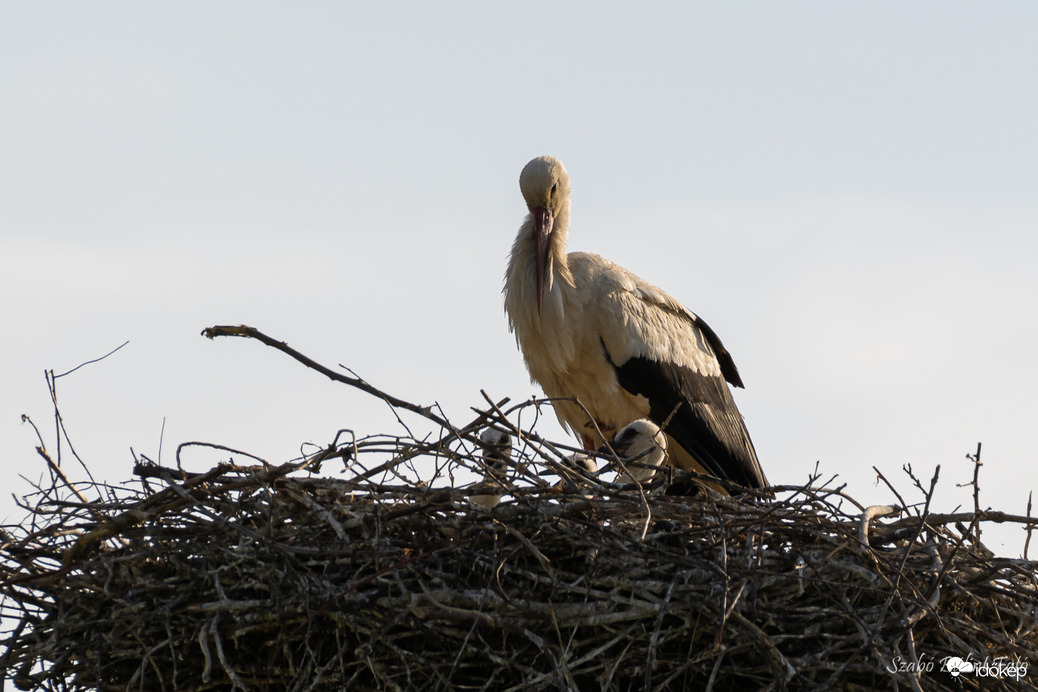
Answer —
(543, 223)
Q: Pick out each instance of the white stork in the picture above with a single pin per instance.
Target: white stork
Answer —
(642, 445)
(591, 330)
(583, 462)
(495, 465)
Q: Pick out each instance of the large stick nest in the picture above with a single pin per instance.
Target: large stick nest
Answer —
(269, 577)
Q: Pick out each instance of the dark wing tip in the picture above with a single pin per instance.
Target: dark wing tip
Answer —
(724, 358)
(700, 414)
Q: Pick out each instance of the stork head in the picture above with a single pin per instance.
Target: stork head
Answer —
(545, 187)
(643, 442)
(584, 462)
(497, 451)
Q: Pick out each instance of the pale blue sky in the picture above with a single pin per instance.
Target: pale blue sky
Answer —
(844, 191)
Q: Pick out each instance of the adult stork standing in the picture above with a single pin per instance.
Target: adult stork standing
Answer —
(592, 331)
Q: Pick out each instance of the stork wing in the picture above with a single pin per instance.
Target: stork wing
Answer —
(665, 353)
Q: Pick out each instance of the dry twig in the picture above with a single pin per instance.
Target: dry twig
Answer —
(263, 576)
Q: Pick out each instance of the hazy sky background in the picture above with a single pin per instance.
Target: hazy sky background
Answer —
(846, 192)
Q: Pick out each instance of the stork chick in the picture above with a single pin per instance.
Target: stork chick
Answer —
(495, 465)
(583, 462)
(640, 445)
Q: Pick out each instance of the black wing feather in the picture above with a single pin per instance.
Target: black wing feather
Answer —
(707, 423)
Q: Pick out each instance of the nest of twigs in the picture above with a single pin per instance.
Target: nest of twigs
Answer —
(270, 577)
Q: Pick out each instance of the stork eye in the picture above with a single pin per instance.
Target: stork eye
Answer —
(554, 188)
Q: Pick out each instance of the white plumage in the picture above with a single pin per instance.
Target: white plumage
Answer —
(642, 446)
(495, 465)
(584, 462)
(592, 331)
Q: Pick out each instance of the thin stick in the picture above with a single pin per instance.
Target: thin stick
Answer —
(251, 333)
(1030, 526)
